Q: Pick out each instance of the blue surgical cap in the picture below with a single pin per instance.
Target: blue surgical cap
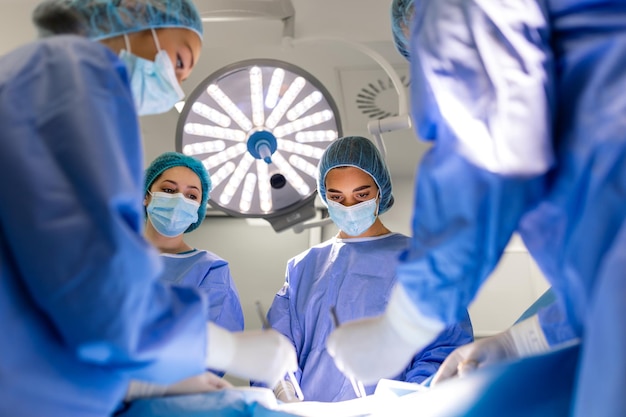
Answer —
(100, 19)
(401, 15)
(359, 152)
(174, 159)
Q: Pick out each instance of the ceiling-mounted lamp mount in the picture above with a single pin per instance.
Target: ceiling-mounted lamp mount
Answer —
(236, 10)
(260, 127)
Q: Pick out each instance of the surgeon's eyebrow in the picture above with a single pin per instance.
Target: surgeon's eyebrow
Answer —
(193, 61)
(361, 188)
(176, 184)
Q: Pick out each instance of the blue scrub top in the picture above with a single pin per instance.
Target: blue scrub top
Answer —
(82, 310)
(356, 277)
(211, 275)
(524, 102)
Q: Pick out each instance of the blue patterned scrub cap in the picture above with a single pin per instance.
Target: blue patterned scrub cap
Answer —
(101, 19)
(359, 152)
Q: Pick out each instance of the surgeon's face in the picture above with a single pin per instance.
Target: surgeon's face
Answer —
(350, 186)
(182, 45)
(177, 180)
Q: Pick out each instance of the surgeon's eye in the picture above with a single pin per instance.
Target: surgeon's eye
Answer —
(334, 197)
(179, 62)
(363, 196)
(169, 190)
(192, 197)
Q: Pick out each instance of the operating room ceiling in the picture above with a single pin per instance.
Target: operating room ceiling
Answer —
(360, 87)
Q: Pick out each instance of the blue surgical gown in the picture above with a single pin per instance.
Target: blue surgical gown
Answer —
(524, 102)
(356, 276)
(81, 308)
(210, 273)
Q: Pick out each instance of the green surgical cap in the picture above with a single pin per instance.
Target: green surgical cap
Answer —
(401, 15)
(174, 159)
(100, 19)
(359, 152)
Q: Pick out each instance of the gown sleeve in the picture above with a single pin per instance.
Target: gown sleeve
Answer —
(481, 88)
(224, 304)
(74, 222)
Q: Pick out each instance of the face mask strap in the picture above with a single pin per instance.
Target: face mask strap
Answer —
(156, 40)
(127, 43)
(377, 198)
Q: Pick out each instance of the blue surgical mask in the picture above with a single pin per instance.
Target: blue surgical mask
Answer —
(153, 84)
(172, 214)
(356, 219)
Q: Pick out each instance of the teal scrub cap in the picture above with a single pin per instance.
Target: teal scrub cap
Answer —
(359, 152)
(401, 15)
(100, 19)
(174, 159)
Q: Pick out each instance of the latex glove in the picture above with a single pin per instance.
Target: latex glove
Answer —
(205, 382)
(259, 355)
(383, 346)
(524, 339)
(286, 392)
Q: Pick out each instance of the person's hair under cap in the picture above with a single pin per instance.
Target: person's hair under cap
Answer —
(401, 15)
(101, 19)
(174, 159)
(359, 152)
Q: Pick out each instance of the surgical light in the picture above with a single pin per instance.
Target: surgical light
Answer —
(260, 128)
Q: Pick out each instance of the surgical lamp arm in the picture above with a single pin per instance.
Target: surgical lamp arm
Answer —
(380, 60)
(375, 127)
(389, 124)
